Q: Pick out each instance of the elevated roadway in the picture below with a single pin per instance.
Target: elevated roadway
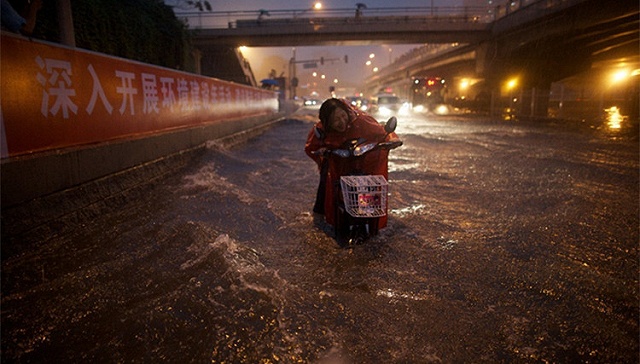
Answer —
(543, 41)
(402, 26)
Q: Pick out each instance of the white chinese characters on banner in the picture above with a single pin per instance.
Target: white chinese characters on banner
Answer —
(56, 97)
(56, 83)
(150, 94)
(96, 92)
(58, 93)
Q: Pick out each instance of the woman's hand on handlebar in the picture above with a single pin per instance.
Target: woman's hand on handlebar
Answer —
(321, 151)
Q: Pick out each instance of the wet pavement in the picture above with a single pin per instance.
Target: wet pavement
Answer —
(507, 242)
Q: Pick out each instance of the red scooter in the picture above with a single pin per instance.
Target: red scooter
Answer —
(357, 189)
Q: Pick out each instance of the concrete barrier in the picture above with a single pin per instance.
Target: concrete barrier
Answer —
(71, 116)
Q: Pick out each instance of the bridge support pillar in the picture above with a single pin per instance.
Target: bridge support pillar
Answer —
(534, 102)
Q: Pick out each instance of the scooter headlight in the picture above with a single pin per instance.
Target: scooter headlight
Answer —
(363, 148)
(343, 153)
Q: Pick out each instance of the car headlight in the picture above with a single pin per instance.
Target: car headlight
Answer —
(442, 109)
(385, 111)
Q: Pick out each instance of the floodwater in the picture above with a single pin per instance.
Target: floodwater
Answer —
(507, 242)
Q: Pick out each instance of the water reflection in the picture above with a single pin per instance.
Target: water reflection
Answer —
(397, 167)
(614, 118)
(409, 210)
(398, 295)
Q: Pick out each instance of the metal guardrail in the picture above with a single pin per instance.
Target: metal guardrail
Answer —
(262, 17)
(235, 19)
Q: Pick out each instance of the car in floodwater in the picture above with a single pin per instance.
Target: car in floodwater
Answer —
(312, 102)
(358, 102)
(389, 105)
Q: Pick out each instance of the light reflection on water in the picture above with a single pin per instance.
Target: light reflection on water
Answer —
(396, 167)
(206, 268)
(396, 295)
(409, 210)
(614, 118)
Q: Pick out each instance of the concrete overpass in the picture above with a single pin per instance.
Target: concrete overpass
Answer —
(542, 41)
(218, 33)
(465, 25)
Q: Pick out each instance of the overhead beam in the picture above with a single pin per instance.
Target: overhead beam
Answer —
(343, 31)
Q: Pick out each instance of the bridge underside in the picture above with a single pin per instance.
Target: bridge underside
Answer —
(344, 31)
(561, 44)
(570, 41)
(540, 43)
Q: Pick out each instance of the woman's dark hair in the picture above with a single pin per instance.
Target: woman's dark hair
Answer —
(328, 107)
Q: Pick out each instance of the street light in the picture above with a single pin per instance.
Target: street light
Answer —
(619, 91)
(315, 7)
(464, 84)
(511, 85)
(619, 76)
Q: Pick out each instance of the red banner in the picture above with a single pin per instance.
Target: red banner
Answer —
(55, 97)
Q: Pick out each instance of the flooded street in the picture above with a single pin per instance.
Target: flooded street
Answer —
(508, 242)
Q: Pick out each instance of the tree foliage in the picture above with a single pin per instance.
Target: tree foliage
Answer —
(200, 5)
(142, 30)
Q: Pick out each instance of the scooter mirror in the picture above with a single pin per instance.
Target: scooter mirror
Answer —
(391, 125)
(319, 133)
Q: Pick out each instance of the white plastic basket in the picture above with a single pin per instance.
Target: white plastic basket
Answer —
(365, 196)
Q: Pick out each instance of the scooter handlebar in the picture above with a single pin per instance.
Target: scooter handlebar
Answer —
(392, 144)
(358, 151)
(321, 151)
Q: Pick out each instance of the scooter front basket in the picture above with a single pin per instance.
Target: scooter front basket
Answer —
(364, 196)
